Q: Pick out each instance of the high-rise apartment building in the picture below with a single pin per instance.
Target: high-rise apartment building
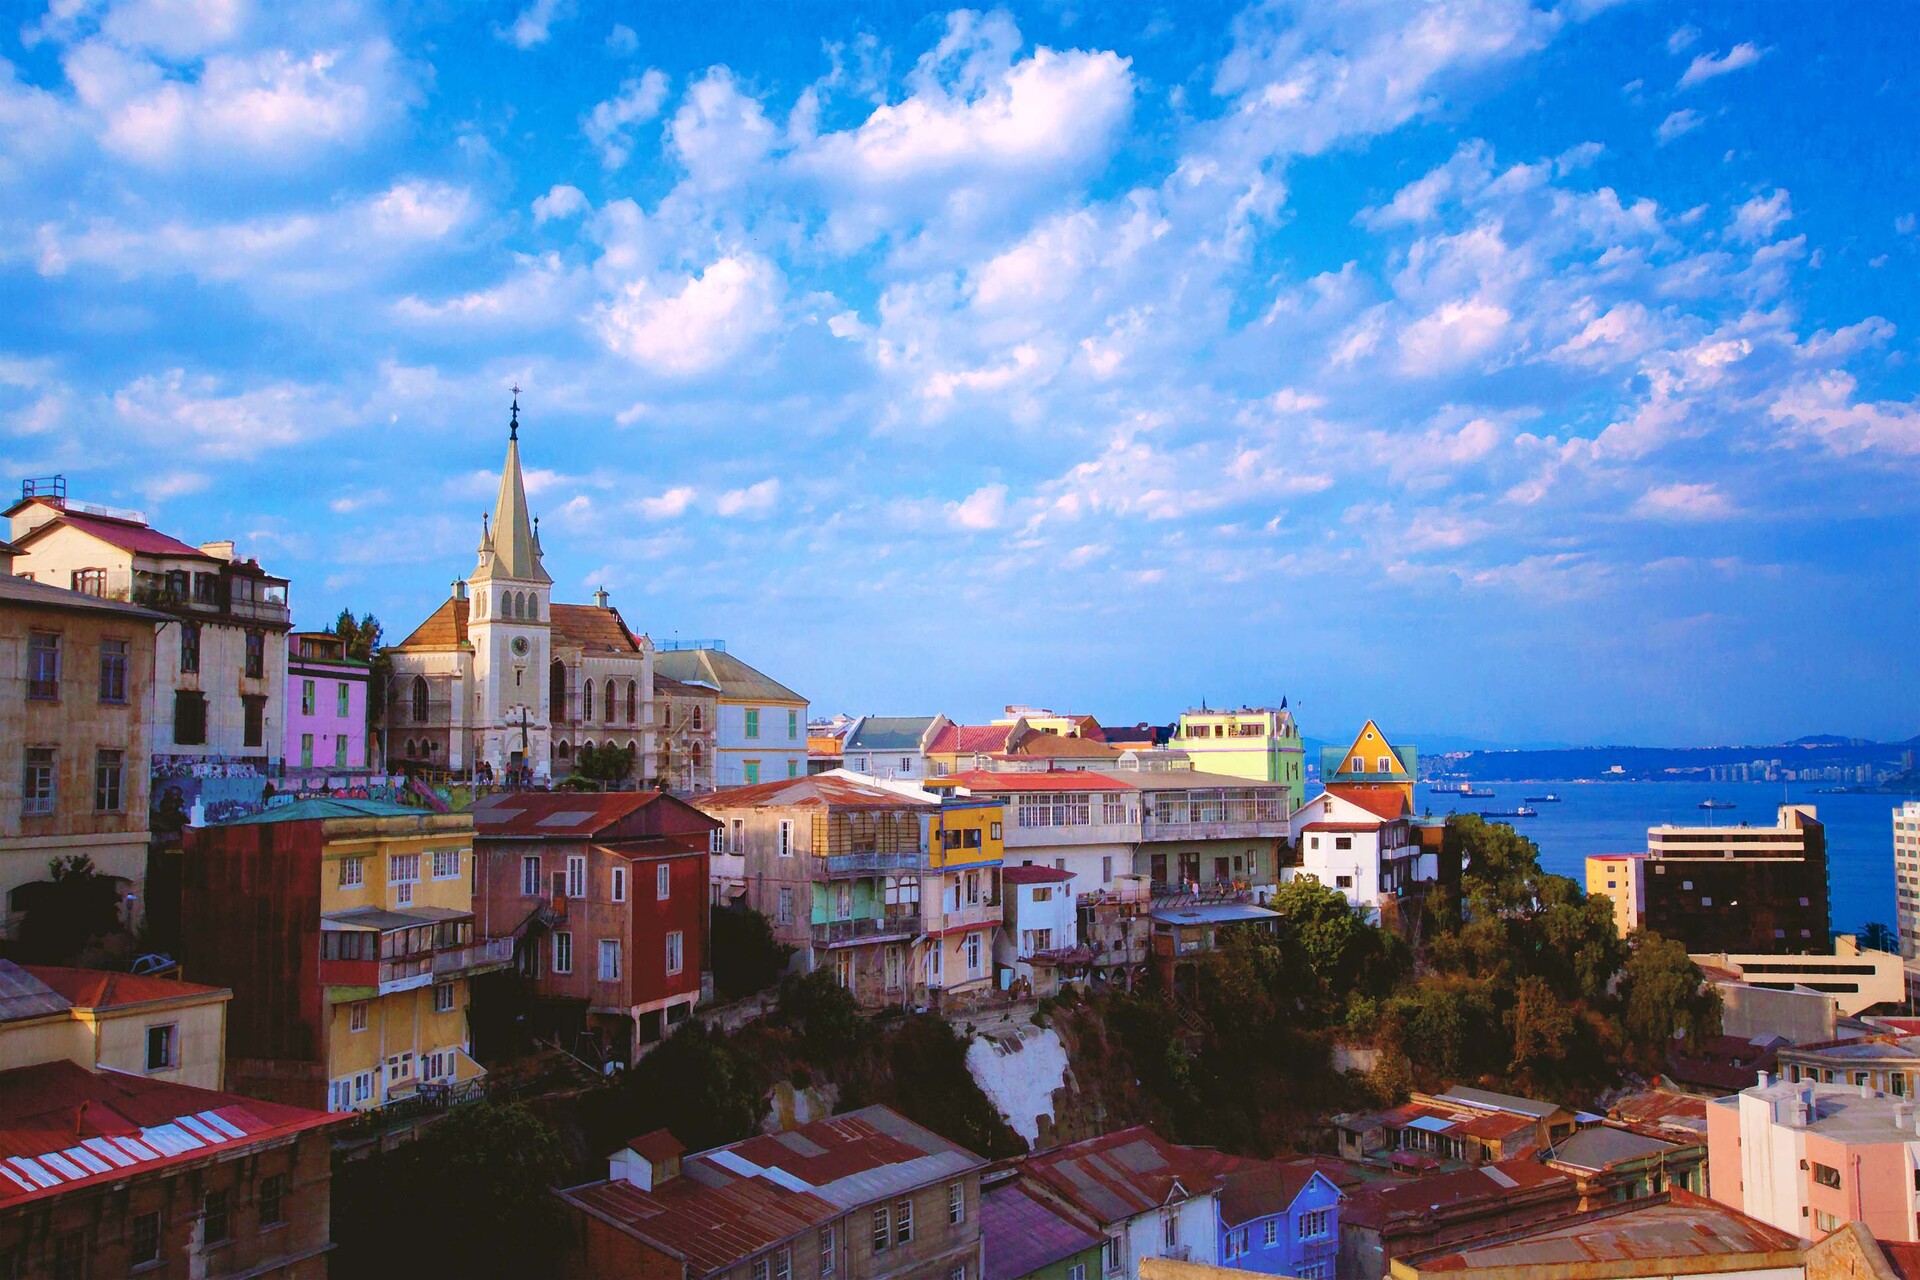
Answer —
(1748, 890)
(1906, 876)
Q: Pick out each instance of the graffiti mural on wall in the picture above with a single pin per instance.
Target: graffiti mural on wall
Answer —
(212, 790)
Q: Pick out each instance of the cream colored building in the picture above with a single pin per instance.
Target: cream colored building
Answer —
(1853, 976)
(76, 727)
(1906, 876)
(160, 1028)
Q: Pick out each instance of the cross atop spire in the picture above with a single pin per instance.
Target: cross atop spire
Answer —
(513, 425)
(515, 550)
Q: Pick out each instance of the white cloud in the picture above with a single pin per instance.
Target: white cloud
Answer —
(176, 407)
(180, 30)
(622, 42)
(560, 202)
(1905, 223)
(1685, 502)
(1823, 408)
(1708, 65)
(666, 506)
(754, 500)
(720, 133)
(984, 508)
(1759, 217)
(1682, 39)
(1452, 334)
(534, 25)
(711, 319)
(609, 126)
(1677, 124)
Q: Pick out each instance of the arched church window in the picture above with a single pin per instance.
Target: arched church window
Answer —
(563, 750)
(420, 699)
(557, 691)
(586, 701)
(696, 715)
(633, 703)
(411, 749)
(533, 604)
(480, 604)
(696, 753)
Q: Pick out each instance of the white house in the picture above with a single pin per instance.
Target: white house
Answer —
(761, 734)
(1361, 842)
(1038, 918)
(1147, 1197)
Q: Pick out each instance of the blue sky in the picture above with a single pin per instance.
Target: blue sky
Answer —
(1499, 369)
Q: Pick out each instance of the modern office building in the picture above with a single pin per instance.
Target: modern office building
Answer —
(1741, 889)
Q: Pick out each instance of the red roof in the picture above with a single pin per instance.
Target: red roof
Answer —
(128, 535)
(1903, 1256)
(1490, 1184)
(658, 1146)
(964, 738)
(817, 789)
(1342, 826)
(100, 989)
(566, 815)
(987, 781)
(63, 1127)
(1113, 1177)
(1035, 875)
(1388, 802)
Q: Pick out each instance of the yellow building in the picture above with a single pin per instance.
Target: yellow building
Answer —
(1261, 743)
(154, 1027)
(1620, 878)
(960, 903)
(1372, 763)
(383, 897)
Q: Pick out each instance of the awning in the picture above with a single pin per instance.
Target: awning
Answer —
(1431, 1124)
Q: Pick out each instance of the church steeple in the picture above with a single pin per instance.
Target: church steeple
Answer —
(516, 552)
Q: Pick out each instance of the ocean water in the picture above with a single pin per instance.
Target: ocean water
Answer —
(1613, 817)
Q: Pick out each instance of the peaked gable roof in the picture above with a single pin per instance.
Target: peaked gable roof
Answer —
(1368, 744)
(106, 989)
(1388, 804)
(736, 681)
(1118, 1175)
(601, 816)
(592, 628)
(968, 738)
(835, 791)
(515, 549)
(128, 535)
(888, 733)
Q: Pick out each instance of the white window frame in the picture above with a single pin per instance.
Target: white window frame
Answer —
(617, 882)
(662, 881)
(676, 951)
(170, 1056)
(827, 1250)
(403, 868)
(562, 951)
(438, 856)
(609, 948)
(576, 875)
(786, 837)
(903, 1221)
(530, 886)
(357, 1016)
(353, 873)
(956, 1203)
(443, 997)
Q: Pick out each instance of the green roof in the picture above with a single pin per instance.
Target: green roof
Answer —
(318, 810)
(888, 733)
(736, 681)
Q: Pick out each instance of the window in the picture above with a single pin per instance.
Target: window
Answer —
(717, 840)
(1343, 882)
(662, 882)
(342, 699)
(113, 671)
(609, 960)
(399, 1067)
(1825, 1174)
(43, 666)
(617, 884)
(190, 647)
(563, 953)
(783, 1265)
(109, 776)
(1824, 1221)
(1343, 842)
(576, 876)
(753, 722)
(1315, 1223)
(256, 655)
(1078, 1271)
(973, 953)
(750, 771)
(443, 998)
(793, 731)
(676, 951)
(1270, 1233)
(903, 1221)
(70, 1255)
(994, 831)
(88, 582)
(1110, 1255)
(826, 1251)
(255, 707)
(1170, 1230)
(786, 837)
(760, 1268)
(793, 768)
(146, 1238)
(1043, 893)
(403, 868)
(882, 1234)
(1106, 869)
(530, 875)
(309, 697)
(958, 1273)
(1359, 764)
(738, 844)
(1385, 764)
(419, 700)
(698, 718)
(37, 793)
(340, 750)
(273, 1191)
(586, 701)
(219, 1223)
(956, 1203)
(306, 751)
(446, 864)
(160, 1047)
(784, 912)
(357, 1016)
(633, 703)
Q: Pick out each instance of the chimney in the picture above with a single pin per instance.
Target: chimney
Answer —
(1866, 1089)
(647, 1161)
(1766, 1078)
(1903, 1116)
(459, 589)
(218, 550)
(600, 598)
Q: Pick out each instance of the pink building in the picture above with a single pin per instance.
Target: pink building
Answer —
(326, 704)
(1810, 1158)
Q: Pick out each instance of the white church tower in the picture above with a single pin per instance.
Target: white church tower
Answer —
(509, 622)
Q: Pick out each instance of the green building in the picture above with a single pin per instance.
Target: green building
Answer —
(1261, 743)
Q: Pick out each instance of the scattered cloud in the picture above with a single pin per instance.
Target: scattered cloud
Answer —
(609, 126)
(1708, 66)
(1682, 39)
(1677, 124)
(1761, 216)
(534, 24)
(753, 501)
(561, 201)
(1685, 502)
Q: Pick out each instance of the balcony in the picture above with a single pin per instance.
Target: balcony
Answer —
(976, 913)
(727, 866)
(872, 863)
(843, 933)
(1244, 829)
(481, 957)
(407, 974)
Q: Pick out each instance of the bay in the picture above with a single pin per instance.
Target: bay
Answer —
(1613, 817)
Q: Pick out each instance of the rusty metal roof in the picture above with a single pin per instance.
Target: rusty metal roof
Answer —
(835, 792)
(103, 989)
(1113, 1177)
(986, 780)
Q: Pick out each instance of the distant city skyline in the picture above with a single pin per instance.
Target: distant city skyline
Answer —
(1545, 372)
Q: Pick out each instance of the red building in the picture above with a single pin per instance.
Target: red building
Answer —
(605, 897)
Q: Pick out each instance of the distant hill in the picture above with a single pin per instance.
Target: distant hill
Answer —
(1572, 764)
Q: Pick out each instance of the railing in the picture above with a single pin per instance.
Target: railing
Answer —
(971, 914)
(726, 866)
(406, 974)
(1251, 829)
(866, 929)
(869, 863)
(488, 953)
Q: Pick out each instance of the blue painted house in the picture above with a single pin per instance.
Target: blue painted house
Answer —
(1279, 1219)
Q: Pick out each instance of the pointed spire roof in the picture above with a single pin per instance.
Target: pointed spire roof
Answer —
(516, 553)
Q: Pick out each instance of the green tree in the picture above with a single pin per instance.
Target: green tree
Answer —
(825, 1017)
(699, 1083)
(73, 908)
(488, 1168)
(746, 957)
(1348, 955)
(1665, 995)
(603, 763)
(1877, 935)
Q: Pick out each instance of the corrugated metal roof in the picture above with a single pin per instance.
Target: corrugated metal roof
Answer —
(318, 810)
(1656, 1237)
(736, 681)
(104, 989)
(889, 733)
(1487, 1100)
(1022, 1234)
(1602, 1146)
(25, 591)
(987, 782)
(834, 791)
